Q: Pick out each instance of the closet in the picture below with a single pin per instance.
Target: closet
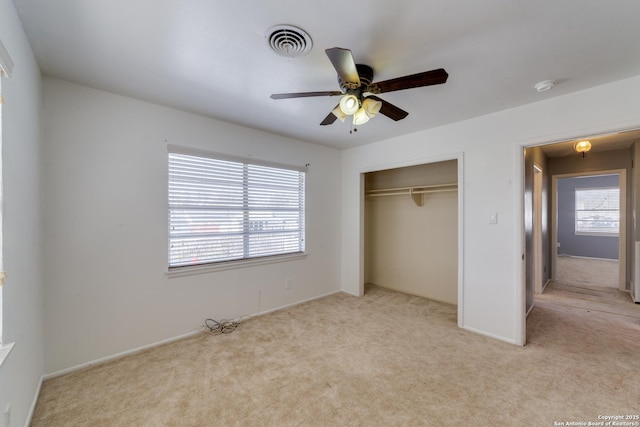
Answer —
(411, 230)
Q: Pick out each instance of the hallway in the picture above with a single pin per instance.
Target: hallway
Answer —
(589, 284)
(594, 272)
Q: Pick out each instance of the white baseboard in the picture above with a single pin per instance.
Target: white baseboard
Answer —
(486, 334)
(588, 257)
(293, 304)
(350, 293)
(34, 403)
(169, 340)
(118, 355)
(531, 308)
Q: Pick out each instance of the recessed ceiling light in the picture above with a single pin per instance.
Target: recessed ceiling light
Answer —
(544, 85)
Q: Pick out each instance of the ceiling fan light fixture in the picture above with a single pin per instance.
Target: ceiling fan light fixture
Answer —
(360, 117)
(371, 106)
(355, 80)
(339, 114)
(349, 104)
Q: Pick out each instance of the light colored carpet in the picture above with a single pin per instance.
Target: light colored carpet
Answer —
(588, 271)
(386, 359)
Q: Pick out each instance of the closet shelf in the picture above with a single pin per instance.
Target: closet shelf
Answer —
(416, 192)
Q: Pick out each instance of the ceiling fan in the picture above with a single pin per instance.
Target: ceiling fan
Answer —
(355, 81)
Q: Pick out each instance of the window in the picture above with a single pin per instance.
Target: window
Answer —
(224, 209)
(598, 211)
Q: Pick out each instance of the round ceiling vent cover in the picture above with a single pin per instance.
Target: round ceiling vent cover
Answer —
(289, 41)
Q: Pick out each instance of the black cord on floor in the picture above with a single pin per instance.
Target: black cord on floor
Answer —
(217, 328)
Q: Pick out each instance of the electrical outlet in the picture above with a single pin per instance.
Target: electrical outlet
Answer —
(7, 416)
(288, 284)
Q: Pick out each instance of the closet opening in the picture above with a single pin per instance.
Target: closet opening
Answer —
(411, 231)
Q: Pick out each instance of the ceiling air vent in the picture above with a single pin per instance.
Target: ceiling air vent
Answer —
(289, 41)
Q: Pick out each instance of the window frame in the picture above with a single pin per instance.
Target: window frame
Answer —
(6, 69)
(595, 233)
(199, 268)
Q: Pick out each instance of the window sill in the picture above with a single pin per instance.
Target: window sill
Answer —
(596, 234)
(4, 351)
(230, 265)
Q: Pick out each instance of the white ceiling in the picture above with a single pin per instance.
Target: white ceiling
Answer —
(209, 57)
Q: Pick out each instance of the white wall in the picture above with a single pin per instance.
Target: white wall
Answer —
(22, 293)
(105, 173)
(413, 249)
(493, 289)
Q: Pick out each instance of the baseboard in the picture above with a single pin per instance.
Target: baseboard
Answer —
(350, 293)
(531, 308)
(588, 257)
(487, 334)
(170, 340)
(293, 304)
(34, 403)
(118, 355)
(545, 285)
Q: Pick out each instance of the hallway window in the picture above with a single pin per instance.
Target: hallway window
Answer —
(598, 211)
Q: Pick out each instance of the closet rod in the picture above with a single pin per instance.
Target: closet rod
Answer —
(417, 192)
(401, 193)
(416, 189)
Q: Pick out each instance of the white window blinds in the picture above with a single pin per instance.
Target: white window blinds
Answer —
(224, 210)
(598, 210)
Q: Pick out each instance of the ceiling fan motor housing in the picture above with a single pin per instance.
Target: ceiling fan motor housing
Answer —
(366, 77)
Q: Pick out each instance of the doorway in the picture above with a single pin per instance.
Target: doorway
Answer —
(590, 234)
(611, 153)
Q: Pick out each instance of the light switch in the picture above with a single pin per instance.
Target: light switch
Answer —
(493, 218)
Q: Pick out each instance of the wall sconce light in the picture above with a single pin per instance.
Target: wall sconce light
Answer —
(582, 147)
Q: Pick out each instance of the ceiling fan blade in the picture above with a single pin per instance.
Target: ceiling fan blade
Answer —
(427, 78)
(304, 94)
(390, 110)
(329, 119)
(343, 62)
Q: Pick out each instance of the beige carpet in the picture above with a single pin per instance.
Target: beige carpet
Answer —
(386, 359)
(588, 271)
